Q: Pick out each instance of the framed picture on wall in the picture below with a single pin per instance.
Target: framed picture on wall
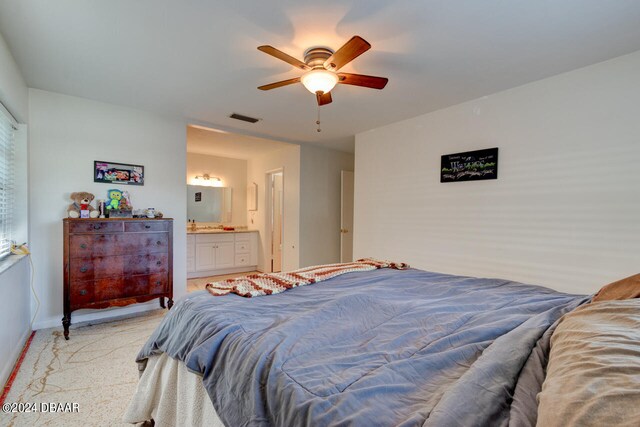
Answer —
(469, 166)
(118, 173)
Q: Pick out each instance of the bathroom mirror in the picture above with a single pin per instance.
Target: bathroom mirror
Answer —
(208, 204)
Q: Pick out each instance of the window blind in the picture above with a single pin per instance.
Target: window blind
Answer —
(7, 156)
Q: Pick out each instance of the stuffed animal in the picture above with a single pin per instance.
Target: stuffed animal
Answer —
(114, 197)
(81, 202)
(125, 202)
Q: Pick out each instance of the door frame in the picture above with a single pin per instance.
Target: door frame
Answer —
(269, 215)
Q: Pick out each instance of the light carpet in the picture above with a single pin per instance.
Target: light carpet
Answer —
(95, 368)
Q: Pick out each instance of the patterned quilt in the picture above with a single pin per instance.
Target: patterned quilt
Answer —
(273, 283)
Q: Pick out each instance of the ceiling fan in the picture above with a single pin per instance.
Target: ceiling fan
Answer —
(322, 64)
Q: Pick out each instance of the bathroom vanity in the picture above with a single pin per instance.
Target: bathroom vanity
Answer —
(212, 252)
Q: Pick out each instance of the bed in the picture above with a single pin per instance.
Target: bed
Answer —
(388, 347)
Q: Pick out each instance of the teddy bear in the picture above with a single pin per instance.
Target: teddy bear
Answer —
(81, 201)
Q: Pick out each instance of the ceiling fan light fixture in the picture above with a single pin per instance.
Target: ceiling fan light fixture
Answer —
(319, 80)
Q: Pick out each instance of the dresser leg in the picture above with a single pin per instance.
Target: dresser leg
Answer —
(66, 322)
(162, 302)
(170, 303)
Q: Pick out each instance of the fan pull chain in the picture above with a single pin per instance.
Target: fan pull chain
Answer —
(318, 121)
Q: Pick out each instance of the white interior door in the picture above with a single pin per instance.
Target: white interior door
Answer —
(277, 207)
(346, 217)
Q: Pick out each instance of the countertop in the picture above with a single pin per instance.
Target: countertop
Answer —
(218, 231)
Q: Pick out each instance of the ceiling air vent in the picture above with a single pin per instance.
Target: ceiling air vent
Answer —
(244, 118)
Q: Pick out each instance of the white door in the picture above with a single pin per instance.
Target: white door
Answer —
(225, 254)
(346, 217)
(205, 256)
(277, 207)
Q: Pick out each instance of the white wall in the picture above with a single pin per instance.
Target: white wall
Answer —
(14, 314)
(565, 209)
(287, 158)
(66, 135)
(320, 183)
(14, 282)
(13, 89)
(232, 172)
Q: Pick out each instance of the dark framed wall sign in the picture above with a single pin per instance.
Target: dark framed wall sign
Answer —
(118, 173)
(469, 166)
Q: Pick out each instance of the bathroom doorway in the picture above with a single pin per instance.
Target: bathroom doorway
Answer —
(276, 217)
(346, 217)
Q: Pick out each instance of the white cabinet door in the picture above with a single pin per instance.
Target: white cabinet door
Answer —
(225, 254)
(206, 256)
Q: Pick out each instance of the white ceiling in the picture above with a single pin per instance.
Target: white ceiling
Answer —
(198, 59)
(212, 142)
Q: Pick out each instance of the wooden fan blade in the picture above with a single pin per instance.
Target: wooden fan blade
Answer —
(270, 50)
(323, 98)
(372, 82)
(347, 53)
(279, 84)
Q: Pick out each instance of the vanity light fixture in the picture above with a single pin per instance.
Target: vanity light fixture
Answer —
(206, 180)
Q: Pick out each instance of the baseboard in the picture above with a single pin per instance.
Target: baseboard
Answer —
(82, 316)
(7, 365)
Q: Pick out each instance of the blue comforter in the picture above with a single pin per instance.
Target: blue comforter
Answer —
(378, 348)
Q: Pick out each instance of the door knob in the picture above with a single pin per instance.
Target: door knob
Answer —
(83, 269)
(83, 246)
(83, 292)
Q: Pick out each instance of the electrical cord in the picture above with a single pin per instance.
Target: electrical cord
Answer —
(24, 250)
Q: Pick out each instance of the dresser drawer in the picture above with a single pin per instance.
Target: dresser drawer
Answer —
(81, 293)
(95, 245)
(155, 225)
(151, 284)
(96, 268)
(109, 288)
(88, 226)
(243, 237)
(242, 260)
(243, 247)
(147, 264)
(147, 243)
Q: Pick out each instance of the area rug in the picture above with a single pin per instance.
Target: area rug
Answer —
(90, 378)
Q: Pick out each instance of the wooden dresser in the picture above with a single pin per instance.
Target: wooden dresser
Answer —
(116, 262)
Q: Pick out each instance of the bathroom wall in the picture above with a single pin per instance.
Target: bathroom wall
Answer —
(232, 172)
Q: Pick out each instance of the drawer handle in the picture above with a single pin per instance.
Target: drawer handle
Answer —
(83, 292)
(159, 263)
(158, 242)
(147, 226)
(83, 246)
(157, 282)
(97, 227)
(83, 269)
